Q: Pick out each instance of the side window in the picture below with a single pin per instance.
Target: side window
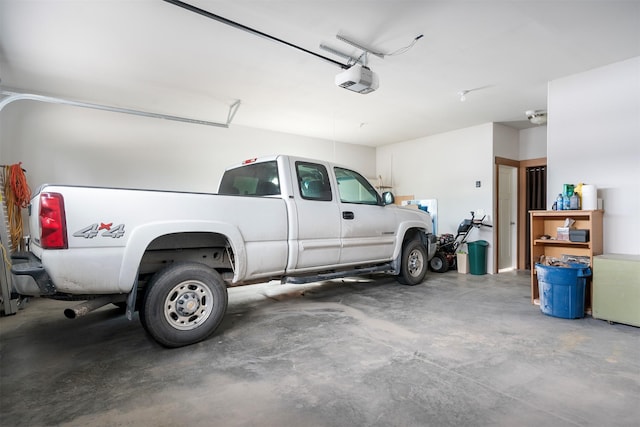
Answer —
(258, 179)
(313, 181)
(354, 188)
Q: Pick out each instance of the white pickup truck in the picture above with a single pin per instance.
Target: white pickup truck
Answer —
(171, 255)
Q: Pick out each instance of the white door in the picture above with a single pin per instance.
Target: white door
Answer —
(506, 217)
(368, 228)
(318, 218)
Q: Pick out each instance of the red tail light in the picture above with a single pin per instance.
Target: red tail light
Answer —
(53, 225)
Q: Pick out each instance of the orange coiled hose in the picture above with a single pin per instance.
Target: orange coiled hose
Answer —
(18, 195)
(21, 190)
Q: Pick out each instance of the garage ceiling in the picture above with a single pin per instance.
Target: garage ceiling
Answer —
(155, 56)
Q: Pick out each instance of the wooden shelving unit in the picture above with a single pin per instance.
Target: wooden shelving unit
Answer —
(547, 223)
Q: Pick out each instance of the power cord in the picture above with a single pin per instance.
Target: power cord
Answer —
(405, 48)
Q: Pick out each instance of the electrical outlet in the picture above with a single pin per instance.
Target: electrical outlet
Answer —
(478, 184)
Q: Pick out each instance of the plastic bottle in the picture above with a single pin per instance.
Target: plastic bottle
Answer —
(574, 202)
(559, 202)
(566, 203)
(578, 192)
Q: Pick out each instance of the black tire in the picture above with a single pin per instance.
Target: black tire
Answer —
(439, 263)
(413, 263)
(183, 304)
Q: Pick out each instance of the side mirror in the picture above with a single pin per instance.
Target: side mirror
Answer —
(387, 198)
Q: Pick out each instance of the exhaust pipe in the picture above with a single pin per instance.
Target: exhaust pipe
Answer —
(88, 306)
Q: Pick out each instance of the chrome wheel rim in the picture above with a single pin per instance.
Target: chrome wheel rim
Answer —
(415, 263)
(188, 305)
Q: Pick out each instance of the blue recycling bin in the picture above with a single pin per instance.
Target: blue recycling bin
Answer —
(562, 289)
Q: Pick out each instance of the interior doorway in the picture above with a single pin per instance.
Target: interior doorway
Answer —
(536, 199)
(507, 215)
(520, 187)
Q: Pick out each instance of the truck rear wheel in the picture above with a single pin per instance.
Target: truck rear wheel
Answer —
(413, 265)
(183, 304)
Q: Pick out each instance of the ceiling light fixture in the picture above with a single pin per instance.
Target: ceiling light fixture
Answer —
(463, 93)
(537, 117)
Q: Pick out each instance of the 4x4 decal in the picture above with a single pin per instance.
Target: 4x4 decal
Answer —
(94, 229)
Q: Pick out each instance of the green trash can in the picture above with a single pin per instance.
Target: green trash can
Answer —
(478, 256)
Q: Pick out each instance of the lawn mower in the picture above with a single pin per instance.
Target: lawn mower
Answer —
(445, 257)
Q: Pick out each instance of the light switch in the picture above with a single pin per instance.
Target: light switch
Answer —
(477, 184)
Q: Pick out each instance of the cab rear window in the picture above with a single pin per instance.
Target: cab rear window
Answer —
(258, 179)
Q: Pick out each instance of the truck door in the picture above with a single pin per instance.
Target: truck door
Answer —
(368, 229)
(318, 216)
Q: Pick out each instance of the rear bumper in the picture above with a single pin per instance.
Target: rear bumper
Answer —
(29, 276)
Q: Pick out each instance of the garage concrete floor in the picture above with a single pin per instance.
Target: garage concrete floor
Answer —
(457, 350)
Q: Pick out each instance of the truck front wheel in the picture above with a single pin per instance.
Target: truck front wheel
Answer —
(183, 304)
(413, 265)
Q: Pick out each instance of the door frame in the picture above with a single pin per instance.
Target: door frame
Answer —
(522, 213)
(496, 230)
(522, 206)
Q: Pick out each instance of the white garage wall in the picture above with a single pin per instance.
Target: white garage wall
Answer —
(446, 167)
(594, 137)
(72, 145)
(533, 143)
(505, 142)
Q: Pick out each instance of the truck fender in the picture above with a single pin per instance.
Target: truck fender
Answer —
(142, 236)
(426, 238)
(402, 231)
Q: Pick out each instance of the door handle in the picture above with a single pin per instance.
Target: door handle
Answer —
(348, 215)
